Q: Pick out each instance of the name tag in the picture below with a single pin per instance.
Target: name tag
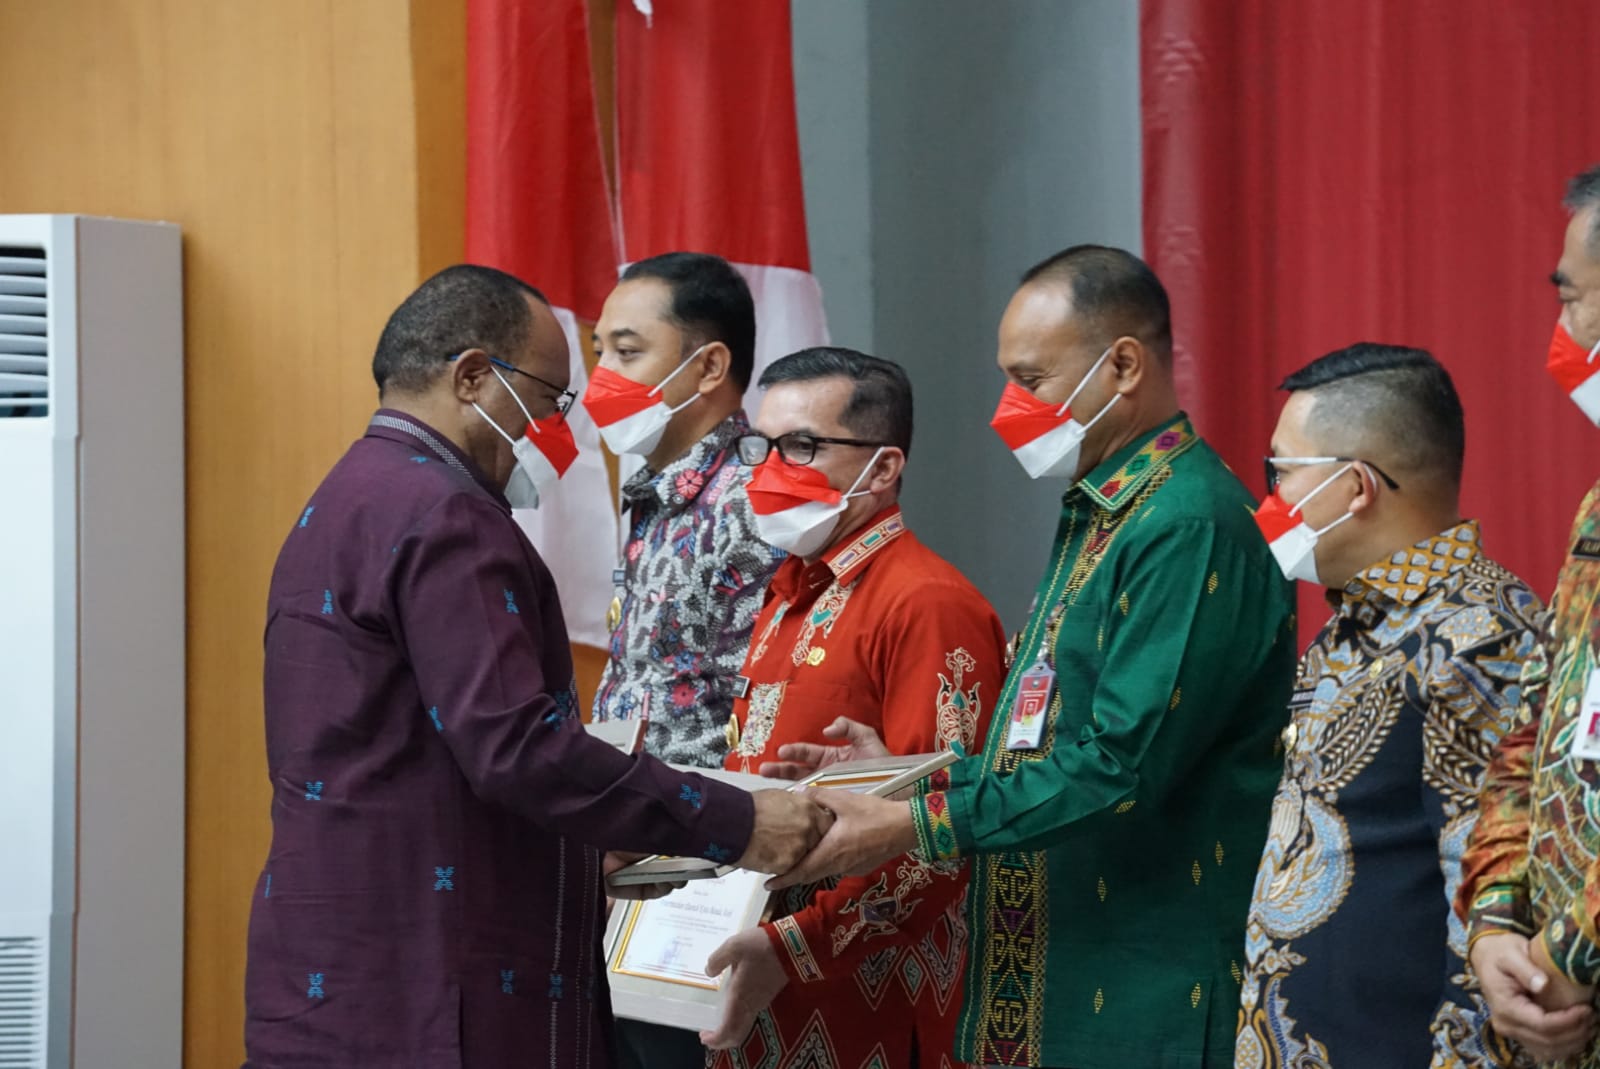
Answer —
(1586, 736)
(741, 686)
(619, 576)
(1586, 549)
(1029, 706)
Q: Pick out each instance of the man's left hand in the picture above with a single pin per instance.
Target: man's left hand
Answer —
(755, 981)
(866, 832)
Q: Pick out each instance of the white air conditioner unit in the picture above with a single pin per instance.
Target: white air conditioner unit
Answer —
(91, 644)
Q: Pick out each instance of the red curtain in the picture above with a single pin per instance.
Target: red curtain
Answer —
(537, 203)
(1328, 171)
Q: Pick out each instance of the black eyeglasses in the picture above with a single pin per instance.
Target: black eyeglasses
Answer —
(795, 448)
(1274, 476)
(563, 397)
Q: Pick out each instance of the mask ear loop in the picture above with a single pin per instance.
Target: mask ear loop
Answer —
(498, 429)
(1294, 510)
(1073, 396)
(674, 373)
(852, 491)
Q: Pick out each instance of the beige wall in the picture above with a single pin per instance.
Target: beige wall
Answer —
(312, 153)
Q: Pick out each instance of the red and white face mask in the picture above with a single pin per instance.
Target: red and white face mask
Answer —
(631, 416)
(1577, 372)
(1292, 540)
(795, 508)
(1044, 437)
(544, 452)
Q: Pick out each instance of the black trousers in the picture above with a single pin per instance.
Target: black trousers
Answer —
(655, 1046)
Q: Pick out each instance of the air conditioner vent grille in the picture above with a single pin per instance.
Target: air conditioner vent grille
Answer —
(22, 1003)
(24, 340)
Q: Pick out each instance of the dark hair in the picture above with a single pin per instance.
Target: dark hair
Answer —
(1397, 398)
(1584, 192)
(880, 402)
(462, 307)
(710, 302)
(1114, 292)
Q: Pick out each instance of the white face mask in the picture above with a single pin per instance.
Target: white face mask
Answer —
(1044, 443)
(641, 432)
(534, 471)
(803, 529)
(1295, 549)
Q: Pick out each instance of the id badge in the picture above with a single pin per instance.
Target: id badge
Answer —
(1029, 707)
(1586, 736)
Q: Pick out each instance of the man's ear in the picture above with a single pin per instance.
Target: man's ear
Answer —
(1130, 360)
(1368, 494)
(716, 363)
(470, 374)
(886, 470)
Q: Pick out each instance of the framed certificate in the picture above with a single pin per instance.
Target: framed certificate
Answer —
(656, 951)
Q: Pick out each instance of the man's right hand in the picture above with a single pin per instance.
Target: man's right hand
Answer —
(1513, 984)
(787, 826)
(797, 760)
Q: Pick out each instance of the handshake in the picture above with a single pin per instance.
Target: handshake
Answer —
(807, 835)
(803, 836)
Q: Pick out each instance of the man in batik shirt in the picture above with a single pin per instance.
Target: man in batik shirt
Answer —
(1530, 888)
(863, 621)
(692, 571)
(432, 895)
(1115, 817)
(1352, 957)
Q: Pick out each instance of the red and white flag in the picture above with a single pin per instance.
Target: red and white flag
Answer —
(708, 154)
(538, 207)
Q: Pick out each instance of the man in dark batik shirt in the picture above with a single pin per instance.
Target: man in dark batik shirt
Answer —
(693, 569)
(432, 897)
(1352, 957)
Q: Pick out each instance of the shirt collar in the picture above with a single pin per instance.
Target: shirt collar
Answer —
(849, 559)
(395, 426)
(678, 484)
(842, 564)
(1408, 574)
(1115, 481)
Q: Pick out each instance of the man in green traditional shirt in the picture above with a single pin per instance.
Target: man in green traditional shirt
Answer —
(1116, 815)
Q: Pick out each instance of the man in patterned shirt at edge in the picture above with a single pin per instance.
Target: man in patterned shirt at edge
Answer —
(693, 568)
(1530, 888)
(865, 621)
(1352, 957)
(1114, 820)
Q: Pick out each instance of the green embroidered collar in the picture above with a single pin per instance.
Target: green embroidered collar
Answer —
(1114, 482)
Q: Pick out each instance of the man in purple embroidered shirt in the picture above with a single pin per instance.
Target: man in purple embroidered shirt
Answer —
(432, 897)
(693, 570)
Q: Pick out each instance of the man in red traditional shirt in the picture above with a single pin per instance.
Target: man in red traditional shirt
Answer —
(861, 621)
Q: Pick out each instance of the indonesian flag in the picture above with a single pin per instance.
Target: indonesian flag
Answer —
(537, 206)
(708, 154)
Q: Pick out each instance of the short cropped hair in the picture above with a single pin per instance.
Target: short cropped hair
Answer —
(462, 307)
(1583, 192)
(1114, 292)
(710, 302)
(1392, 399)
(879, 408)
